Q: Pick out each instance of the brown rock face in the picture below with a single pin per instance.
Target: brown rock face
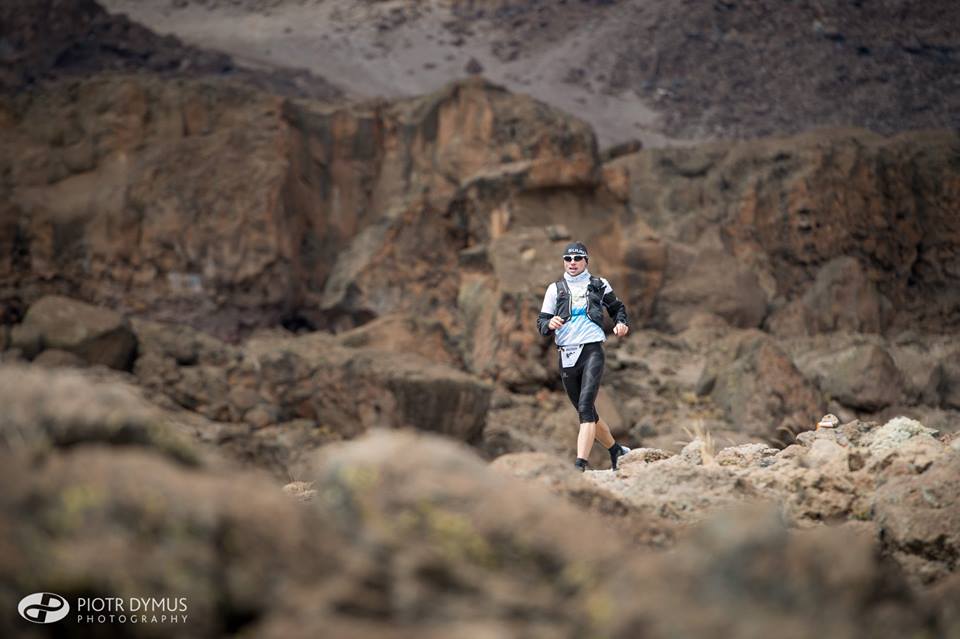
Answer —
(759, 387)
(714, 283)
(135, 225)
(792, 210)
(394, 192)
(332, 217)
(841, 298)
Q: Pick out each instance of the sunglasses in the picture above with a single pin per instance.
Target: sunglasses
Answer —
(573, 258)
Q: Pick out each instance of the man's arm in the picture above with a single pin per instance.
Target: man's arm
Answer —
(614, 306)
(546, 310)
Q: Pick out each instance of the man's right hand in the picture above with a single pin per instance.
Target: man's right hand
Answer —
(555, 322)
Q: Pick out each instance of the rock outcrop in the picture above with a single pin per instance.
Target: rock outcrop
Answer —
(824, 219)
(44, 39)
(897, 477)
(759, 388)
(94, 335)
(416, 532)
(440, 218)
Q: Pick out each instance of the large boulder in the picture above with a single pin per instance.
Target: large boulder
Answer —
(760, 389)
(317, 379)
(423, 336)
(678, 489)
(632, 521)
(841, 298)
(861, 376)
(919, 516)
(96, 335)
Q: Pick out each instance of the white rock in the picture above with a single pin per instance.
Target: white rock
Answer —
(894, 433)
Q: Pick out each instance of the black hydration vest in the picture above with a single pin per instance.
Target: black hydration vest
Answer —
(594, 300)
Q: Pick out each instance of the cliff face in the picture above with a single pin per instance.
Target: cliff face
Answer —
(342, 214)
(438, 220)
(109, 198)
(229, 209)
(390, 193)
(793, 212)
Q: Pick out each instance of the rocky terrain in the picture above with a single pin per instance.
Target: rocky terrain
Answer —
(270, 345)
(661, 71)
(847, 532)
(45, 39)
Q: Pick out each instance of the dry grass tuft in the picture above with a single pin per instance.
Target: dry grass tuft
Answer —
(708, 447)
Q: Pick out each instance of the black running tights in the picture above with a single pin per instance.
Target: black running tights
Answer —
(582, 381)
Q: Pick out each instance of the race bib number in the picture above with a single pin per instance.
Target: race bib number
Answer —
(569, 355)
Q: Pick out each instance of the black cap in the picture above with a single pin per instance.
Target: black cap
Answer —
(576, 248)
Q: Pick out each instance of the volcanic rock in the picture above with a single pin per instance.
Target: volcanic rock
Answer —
(95, 335)
(759, 388)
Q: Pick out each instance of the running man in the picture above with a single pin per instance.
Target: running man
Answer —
(573, 310)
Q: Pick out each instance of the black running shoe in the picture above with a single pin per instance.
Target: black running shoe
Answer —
(616, 454)
(580, 464)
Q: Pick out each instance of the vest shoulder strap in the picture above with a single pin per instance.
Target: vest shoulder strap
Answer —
(563, 304)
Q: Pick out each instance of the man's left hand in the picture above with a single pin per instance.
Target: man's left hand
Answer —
(620, 330)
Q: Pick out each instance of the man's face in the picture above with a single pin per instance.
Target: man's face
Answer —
(574, 267)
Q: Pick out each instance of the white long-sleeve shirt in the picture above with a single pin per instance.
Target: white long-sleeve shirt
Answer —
(579, 329)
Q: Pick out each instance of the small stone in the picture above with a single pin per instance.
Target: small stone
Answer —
(648, 455)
